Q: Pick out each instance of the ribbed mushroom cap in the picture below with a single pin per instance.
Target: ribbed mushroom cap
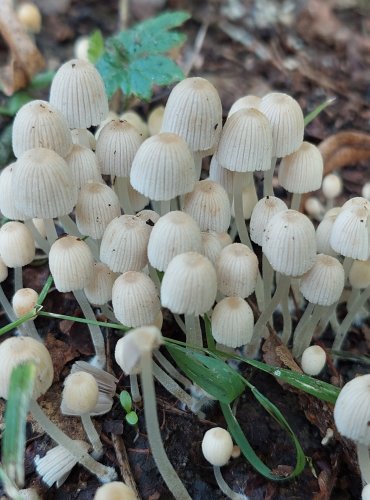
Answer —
(245, 102)
(80, 392)
(221, 175)
(163, 167)
(150, 217)
(209, 205)
(301, 172)
(99, 289)
(323, 283)
(3, 271)
(262, 213)
(17, 247)
(136, 121)
(115, 491)
(38, 124)
(116, 147)
(212, 245)
(155, 120)
(97, 205)
(135, 299)
(77, 90)
(71, 263)
(174, 233)
(237, 268)
(130, 348)
(314, 208)
(224, 238)
(7, 199)
(43, 184)
(352, 410)
(350, 233)
(83, 137)
(84, 165)
(194, 111)
(313, 360)
(359, 274)
(232, 322)
(217, 446)
(138, 201)
(289, 243)
(246, 142)
(124, 244)
(357, 201)
(332, 186)
(17, 350)
(323, 232)
(287, 122)
(24, 300)
(189, 285)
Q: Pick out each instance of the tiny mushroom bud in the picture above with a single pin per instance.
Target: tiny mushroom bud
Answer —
(30, 17)
(24, 300)
(17, 247)
(332, 186)
(115, 491)
(217, 446)
(313, 360)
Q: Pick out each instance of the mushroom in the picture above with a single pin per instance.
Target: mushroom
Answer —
(313, 360)
(84, 165)
(245, 102)
(232, 322)
(115, 491)
(332, 187)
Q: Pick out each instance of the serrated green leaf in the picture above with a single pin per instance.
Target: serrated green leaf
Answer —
(126, 401)
(14, 437)
(211, 374)
(96, 46)
(132, 418)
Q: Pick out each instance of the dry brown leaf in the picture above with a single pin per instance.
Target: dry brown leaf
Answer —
(25, 60)
(61, 354)
(277, 354)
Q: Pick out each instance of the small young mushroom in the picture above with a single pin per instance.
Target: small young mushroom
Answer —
(115, 491)
(313, 360)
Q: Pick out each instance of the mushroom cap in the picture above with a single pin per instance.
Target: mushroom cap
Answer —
(324, 282)
(287, 122)
(80, 392)
(212, 245)
(77, 90)
(150, 217)
(301, 171)
(232, 322)
(83, 137)
(359, 274)
(245, 102)
(313, 360)
(43, 184)
(30, 17)
(38, 124)
(136, 121)
(115, 491)
(99, 288)
(17, 247)
(352, 410)
(237, 268)
(323, 232)
(217, 446)
(314, 208)
(289, 243)
(71, 263)
(262, 213)
(350, 233)
(135, 299)
(24, 300)
(221, 175)
(163, 167)
(97, 205)
(17, 350)
(174, 233)
(7, 199)
(155, 120)
(246, 142)
(194, 111)
(84, 165)
(189, 285)
(332, 186)
(124, 244)
(209, 206)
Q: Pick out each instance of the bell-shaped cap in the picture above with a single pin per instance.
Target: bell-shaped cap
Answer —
(7, 199)
(323, 232)
(17, 247)
(163, 167)
(289, 243)
(212, 245)
(189, 285)
(262, 213)
(98, 291)
(332, 186)
(84, 165)
(359, 274)
(115, 490)
(155, 120)
(350, 232)
(324, 282)
(38, 124)
(78, 91)
(80, 393)
(245, 102)
(232, 322)
(194, 111)
(136, 121)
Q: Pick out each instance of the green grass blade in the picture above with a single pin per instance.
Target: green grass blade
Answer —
(14, 324)
(311, 116)
(45, 290)
(14, 437)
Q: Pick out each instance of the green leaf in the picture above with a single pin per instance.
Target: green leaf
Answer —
(6, 151)
(126, 401)
(311, 116)
(247, 450)
(131, 418)
(14, 437)
(96, 46)
(211, 374)
(15, 102)
(41, 80)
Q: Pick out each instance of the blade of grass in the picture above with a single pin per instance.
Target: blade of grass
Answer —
(311, 116)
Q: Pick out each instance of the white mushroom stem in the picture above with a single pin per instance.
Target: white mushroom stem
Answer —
(51, 232)
(103, 473)
(121, 187)
(71, 228)
(267, 180)
(165, 207)
(304, 331)
(165, 467)
(171, 370)
(95, 331)
(346, 323)
(364, 461)
(347, 264)
(18, 279)
(41, 242)
(193, 330)
(180, 323)
(268, 278)
(296, 201)
(92, 435)
(171, 386)
(108, 313)
(287, 320)
(224, 487)
(198, 159)
(134, 387)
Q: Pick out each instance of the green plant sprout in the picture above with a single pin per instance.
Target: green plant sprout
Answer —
(126, 403)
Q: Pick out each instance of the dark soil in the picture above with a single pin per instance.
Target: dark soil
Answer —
(312, 51)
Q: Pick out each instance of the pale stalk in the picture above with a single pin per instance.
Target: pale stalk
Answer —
(287, 320)
(296, 201)
(198, 159)
(193, 330)
(18, 279)
(268, 190)
(224, 487)
(121, 187)
(171, 386)
(303, 337)
(92, 435)
(165, 207)
(41, 242)
(51, 232)
(172, 370)
(134, 387)
(363, 461)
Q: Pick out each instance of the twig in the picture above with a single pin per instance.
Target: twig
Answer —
(123, 463)
(198, 44)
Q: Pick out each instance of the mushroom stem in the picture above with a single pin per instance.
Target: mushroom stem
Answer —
(92, 435)
(165, 207)
(121, 188)
(180, 323)
(166, 469)
(287, 320)
(347, 264)
(51, 232)
(198, 159)
(105, 309)
(41, 242)
(296, 201)
(95, 332)
(103, 473)
(171, 370)
(193, 330)
(268, 190)
(134, 387)
(364, 461)
(171, 386)
(71, 228)
(306, 328)
(268, 278)
(18, 279)
(224, 487)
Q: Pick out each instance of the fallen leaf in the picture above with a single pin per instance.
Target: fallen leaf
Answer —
(60, 352)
